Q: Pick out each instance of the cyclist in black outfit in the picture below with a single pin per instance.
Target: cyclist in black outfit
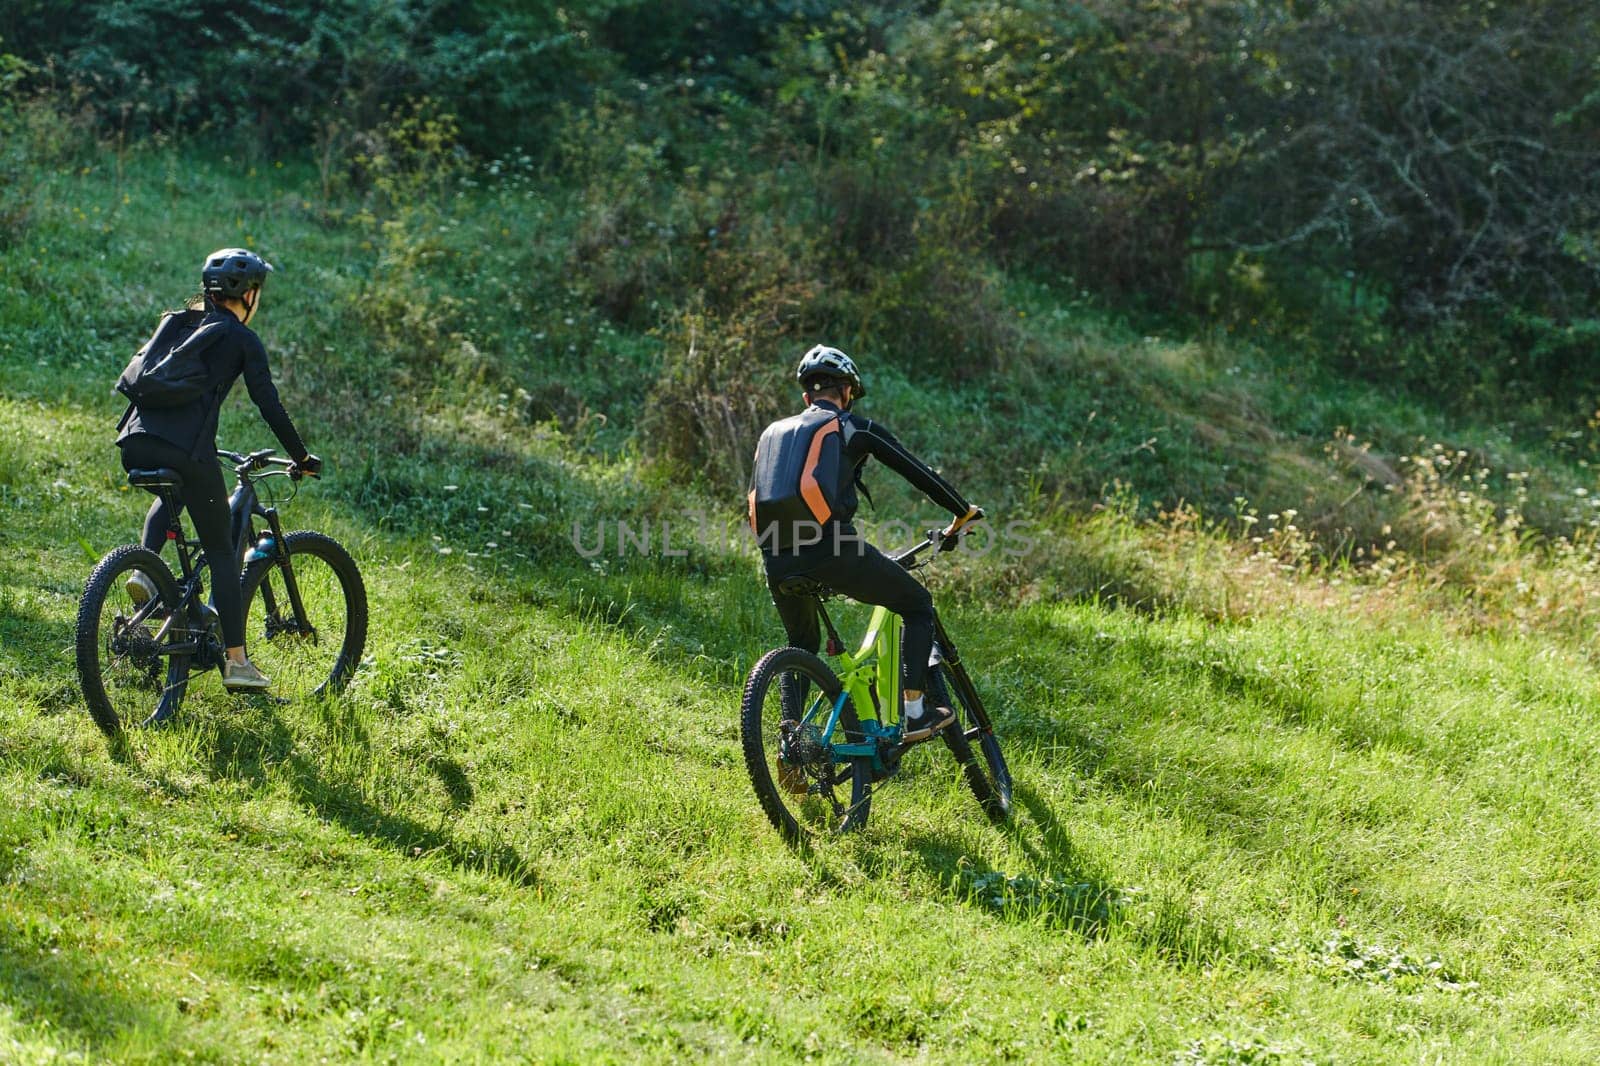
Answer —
(834, 553)
(184, 438)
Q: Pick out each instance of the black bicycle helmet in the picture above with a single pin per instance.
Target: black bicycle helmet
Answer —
(823, 366)
(231, 272)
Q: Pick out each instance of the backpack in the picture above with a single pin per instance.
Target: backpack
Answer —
(798, 479)
(170, 371)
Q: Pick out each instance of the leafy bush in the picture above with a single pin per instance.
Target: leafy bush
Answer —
(722, 379)
(38, 132)
(940, 311)
(414, 165)
(14, 162)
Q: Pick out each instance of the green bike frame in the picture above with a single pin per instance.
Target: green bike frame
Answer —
(865, 678)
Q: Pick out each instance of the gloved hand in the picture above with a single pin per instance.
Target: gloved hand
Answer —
(308, 465)
(950, 536)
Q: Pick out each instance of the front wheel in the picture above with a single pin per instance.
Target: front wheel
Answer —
(126, 666)
(989, 778)
(305, 610)
(803, 785)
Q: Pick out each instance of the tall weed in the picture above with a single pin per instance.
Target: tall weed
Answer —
(721, 380)
(413, 165)
(39, 131)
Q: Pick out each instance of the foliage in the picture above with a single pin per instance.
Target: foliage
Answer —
(1430, 151)
(303, 67)
(37, 131)
(1344, 956)
(412, 164)
(1400, 190)
(14, 163)
(1217, 1050)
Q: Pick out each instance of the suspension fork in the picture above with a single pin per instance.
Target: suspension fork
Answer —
(290, 583)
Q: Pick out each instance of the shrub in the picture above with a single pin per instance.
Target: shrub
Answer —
(413, 164)
(728, 357)
(299, 70)
(940, 309)
(38, 132)
(720, 384)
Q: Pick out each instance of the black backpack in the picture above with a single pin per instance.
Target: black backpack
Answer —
(798, 480)
(170, 370)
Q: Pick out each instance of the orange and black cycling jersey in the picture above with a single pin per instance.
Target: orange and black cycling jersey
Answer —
(864, 439)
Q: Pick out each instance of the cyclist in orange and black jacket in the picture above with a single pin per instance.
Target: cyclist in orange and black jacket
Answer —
(184, 438)
(834, 553)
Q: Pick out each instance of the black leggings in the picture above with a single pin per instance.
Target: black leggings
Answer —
(867, 575)
(205, 497)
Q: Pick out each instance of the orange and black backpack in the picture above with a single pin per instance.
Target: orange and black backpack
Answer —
(798, 480)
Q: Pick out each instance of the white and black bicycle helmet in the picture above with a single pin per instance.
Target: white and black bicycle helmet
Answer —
(823, 366)
(229, 273)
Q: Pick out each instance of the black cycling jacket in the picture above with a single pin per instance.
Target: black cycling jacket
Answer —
(864, 439)
(193, 426)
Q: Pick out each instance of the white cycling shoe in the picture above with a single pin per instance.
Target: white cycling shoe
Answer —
(244, 677)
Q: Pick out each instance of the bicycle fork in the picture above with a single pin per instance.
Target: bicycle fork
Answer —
(280, 558)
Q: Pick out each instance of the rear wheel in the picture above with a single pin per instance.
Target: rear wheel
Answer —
(128, 674)
(804, 788)
(988, 776)
(312, 649)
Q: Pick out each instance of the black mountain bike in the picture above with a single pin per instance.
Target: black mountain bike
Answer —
(816, 741)
(305, 606)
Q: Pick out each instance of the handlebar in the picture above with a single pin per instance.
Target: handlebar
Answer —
(245, 465)
(907, 557)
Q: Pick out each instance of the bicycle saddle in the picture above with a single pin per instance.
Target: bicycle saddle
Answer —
(802, 586)
(155, 480)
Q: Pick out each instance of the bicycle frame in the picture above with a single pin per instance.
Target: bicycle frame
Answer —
(874, 669)
(244, 506)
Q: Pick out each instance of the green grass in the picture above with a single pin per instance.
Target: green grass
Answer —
(1324, 832)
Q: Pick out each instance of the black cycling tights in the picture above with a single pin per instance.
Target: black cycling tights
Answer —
(206, 499)
(863, 573)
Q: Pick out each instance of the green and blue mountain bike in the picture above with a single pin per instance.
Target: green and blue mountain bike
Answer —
(817, 741)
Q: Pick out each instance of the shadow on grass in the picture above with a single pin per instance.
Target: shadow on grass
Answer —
(253, 755)
(1100, 707)
(1069, 894)
(33, 649)
(64, 994)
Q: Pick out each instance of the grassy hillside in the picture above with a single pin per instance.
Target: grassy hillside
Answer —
(1277, 802)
